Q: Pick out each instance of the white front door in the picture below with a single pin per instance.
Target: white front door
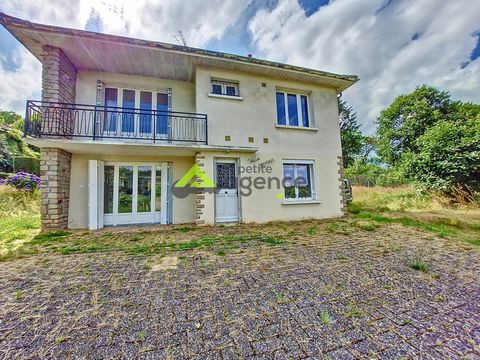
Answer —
(226, 198)
(135, 193)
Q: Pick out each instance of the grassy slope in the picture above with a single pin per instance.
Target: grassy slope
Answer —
(19, 218)
(405, 206)
(15, 145)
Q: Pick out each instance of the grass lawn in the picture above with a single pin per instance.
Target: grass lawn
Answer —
(372, 208)
(19, 218)
(405, 206)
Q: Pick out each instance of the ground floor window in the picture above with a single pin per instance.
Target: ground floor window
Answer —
(298, 180)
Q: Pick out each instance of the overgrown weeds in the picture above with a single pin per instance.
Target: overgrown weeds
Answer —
(418, 262)
(19, 219)
(406, 206)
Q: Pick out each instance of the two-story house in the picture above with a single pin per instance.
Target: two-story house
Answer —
(122, 120)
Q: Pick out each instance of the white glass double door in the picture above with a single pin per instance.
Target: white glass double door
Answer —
(127, 193)
(134, 193)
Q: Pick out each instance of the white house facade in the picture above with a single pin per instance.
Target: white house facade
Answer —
(122, 122)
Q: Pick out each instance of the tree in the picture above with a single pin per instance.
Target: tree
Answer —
(11, 119)
(351, 136)
(448, 157)
(408, 118)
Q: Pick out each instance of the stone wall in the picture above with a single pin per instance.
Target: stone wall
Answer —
(200, 194)
(343, 190)
(55, 175)
(59, 77)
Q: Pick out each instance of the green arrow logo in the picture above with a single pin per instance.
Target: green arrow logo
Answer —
(197, 178)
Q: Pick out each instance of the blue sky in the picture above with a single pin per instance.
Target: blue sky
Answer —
(392, 45)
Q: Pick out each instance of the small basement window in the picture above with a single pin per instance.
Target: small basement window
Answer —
(225, 87)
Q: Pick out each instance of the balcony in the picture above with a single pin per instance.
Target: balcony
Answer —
(76, 121)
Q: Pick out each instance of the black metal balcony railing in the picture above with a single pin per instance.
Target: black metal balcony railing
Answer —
(49, 119)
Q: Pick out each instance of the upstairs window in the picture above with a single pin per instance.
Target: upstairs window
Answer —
(225, 87)
(292, 109)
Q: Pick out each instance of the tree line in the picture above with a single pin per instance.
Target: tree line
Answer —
(423, 138)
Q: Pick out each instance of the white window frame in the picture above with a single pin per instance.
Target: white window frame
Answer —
(311, 164)
(134, 217)
(299, 108)
(137, 91)
(224, 84)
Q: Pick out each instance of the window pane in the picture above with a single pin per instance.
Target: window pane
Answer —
(158, 188)
(292, 110)
(288, 181)
(111, 116)
(303, 181)
(304, 103)
(281, 119)
(231, 90)
(125, 189)
(145, 112)
(162, 117)
(128, 101)
(144, 199)
(226, 176)
(216, 88)
(108, 190)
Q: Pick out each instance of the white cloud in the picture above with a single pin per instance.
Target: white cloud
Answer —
(199, 20)
(350, 36)
(20, 84)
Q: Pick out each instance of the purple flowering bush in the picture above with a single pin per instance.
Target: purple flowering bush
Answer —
(23, 181)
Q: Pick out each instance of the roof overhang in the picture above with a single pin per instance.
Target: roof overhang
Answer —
(117, 54)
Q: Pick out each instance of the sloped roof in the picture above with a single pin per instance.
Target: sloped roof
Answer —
(88, 49)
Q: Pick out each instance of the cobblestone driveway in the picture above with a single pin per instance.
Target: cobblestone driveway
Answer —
(324, 295)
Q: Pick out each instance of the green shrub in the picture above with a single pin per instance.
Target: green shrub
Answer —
(26, 164)
(448, 158)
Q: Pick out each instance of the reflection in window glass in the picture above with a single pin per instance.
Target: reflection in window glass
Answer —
(108, 189)
(231, 90)
(128, 101)
(111, 116)
(297, 181)
(216, 88)
(158, 188)
(288, 181)
(292, 109)
(303, 181)
(145, 112)
(304, 105)
(125, 189)
(162, 115)
(144, 191)
(281, 118)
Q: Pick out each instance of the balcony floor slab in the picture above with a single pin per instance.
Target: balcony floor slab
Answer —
(118, 147)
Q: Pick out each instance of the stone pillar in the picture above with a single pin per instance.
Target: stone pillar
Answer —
(200, 194)
(343, 191)
(55, 175)
(59, 78)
